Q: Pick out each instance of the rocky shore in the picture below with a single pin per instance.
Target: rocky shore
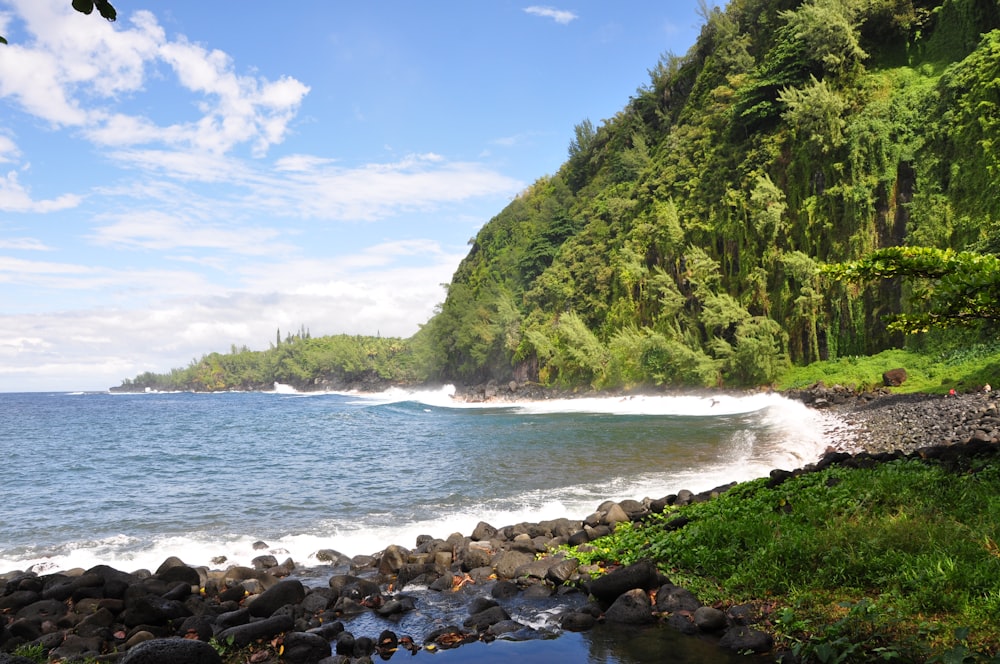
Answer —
(494, 583)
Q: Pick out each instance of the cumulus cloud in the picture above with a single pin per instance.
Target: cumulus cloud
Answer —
(73, 72)
(560, 16)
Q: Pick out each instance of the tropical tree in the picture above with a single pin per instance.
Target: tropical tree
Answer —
(949, 288)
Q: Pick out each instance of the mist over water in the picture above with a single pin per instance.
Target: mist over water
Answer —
(130, 479)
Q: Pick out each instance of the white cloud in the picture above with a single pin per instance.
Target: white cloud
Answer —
(390, 289)
(23, 244)
(377, 190)
(8, 149)
(153, 229)
(16, 198)
(74, 71)
(560, 16)
(301, 162)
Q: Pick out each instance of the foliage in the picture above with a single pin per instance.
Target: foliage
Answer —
(952, 288)
(962, 363)
(337, 362)
(104, 8)
(826, 29)
(852, 559)
(32, 651)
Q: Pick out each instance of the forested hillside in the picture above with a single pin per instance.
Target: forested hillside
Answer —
(679, 242)
(336, 362)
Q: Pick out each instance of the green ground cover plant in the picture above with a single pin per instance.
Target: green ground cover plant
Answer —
(963, 367)
(897, 562)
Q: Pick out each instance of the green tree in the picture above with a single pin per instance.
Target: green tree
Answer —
(949, 287)
(827, 30)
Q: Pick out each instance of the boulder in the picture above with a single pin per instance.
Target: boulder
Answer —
(171, 651)
(671, 598)
(392, 559)
(182, 573)
(745, 639)
(642, 575)
(709, 619)
(631, 608)
(483, 531)
(894, 377)
(484, 619)
(577, 621)
(268, 628)
(289, 591)
(305, 648)
(510, 561)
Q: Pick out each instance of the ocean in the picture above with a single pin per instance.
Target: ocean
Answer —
(128, 480)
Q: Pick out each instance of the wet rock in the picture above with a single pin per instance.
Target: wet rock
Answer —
(745, 639)
(179, 573)
(510, 561)
(332, 557)
(484, 619)
(631, 608)
(682, 622)
(642, 575)
(483, 531)
(577, 621)
(392, 559)
(289, 591)
(504, 590)
(305, 648)
(671, 598)
(268, 628)
(709, 619)
(171, 651)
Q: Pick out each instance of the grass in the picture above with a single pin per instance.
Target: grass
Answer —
(899, 562)
(964, 368)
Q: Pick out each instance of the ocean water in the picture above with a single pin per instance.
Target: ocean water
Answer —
(130, 479)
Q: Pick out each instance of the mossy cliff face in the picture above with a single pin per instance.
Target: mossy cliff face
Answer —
(678, 244)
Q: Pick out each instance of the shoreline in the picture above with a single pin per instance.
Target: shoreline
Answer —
(876, 425)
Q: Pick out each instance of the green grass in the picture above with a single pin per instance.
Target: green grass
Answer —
(963, 368)
(899, 562)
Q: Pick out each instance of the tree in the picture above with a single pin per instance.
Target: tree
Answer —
(826, 28)
(952, 288)
(104, 8)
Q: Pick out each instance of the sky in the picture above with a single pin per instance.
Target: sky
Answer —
(198, 175)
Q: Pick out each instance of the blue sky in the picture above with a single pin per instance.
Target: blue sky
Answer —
(200, 174)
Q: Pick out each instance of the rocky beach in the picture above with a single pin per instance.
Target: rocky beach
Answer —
(440, 592)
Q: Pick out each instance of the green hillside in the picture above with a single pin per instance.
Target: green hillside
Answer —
(679, 242)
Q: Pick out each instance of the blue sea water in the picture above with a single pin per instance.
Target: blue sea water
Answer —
(129, 479)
